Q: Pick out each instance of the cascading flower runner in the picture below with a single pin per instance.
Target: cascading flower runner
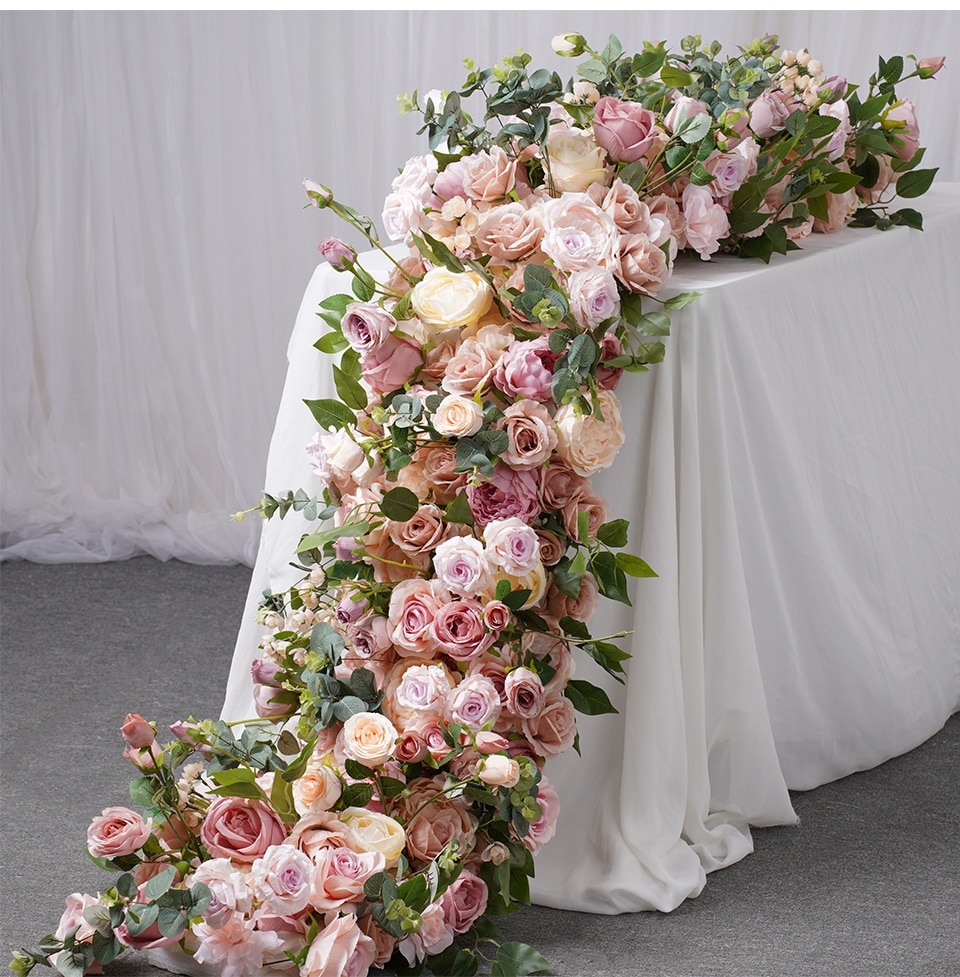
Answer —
(390, 796)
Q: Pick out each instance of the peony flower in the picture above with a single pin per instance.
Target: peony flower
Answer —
(235, 949)
(116, 832)
(526, 370)
(624, 129)
(585, 442)
(446, 299)
(228, 889)
(504, 494)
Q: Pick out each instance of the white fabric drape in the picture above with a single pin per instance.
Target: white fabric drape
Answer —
(154, 248)
(791, 476)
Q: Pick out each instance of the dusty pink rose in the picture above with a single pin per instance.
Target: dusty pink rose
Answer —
(434, 936)
(902, 130)
(137, 732)
(460, 630)
(488, 742)
(73, 916)
(729, 171)
(341, 949)
(489, 176)
(506, 493)
(370, 637)
(116, 832)
(470, 369)
(578, 235)
(339, 876)
(768, 115)
(624, 129)
(465, 901)
(474, 703)
(366, 326)
(544, 828)
(706, 221)
(608, 377)
(410, 747)
(496, 615)
(643, 266)
(621, 202)
(385, 943)
(552, 548)
(526, 370)
(683, 105)
(552, 731)
(531, 432)
(559, 483)
(524, 693)
(391, 364)
(510, 232)
(241, 829)
(336, 252)
(594, 505)
(582, 608)
(840, 207)
(594, 296)
(436, 826)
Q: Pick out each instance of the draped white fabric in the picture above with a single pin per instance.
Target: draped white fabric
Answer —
(153, 244)
(791, 474)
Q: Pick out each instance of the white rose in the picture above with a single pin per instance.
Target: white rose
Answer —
(457, 416)
(446, 299)
(586, 443)
(376, 832)
(576, 161)
(402, 213)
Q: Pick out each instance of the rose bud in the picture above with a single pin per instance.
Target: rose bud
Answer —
(137, 732)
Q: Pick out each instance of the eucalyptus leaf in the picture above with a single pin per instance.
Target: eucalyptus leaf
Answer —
(400, 504)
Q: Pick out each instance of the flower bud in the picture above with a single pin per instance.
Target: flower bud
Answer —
(137, 732)
(336, 252)
(928, 67)
(569, 45)
(319, 195)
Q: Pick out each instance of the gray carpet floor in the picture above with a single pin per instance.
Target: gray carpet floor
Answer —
(867, 884)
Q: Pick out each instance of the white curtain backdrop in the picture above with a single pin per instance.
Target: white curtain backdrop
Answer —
(154, 249)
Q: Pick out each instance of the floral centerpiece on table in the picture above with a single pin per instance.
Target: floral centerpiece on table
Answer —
(389, 798)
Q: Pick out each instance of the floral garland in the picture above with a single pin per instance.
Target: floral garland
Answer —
(391, 795)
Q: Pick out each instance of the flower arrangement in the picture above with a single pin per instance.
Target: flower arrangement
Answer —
(389, 798)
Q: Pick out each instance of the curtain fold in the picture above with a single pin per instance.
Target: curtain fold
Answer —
(154, 247)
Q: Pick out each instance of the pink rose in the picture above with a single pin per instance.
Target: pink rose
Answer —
(488, 176)
(413, 606)
(402, 213)
(510, 232)
(624, 129)
(524, 693)
(449, 183)
(474, 703)
(341, 949)
(553, 731)
(464, 902)
(241, 829)
(340, 874)
(470, 368)
(552, 548)
(526, 370)
(707, 222)
(928, 67)
(73, 916)
(729, 171)
(532, 435)
(385, 943)
(577, 234)
(690, 108)
(900, 124)
(544, 828)
(643, 266)
(116, 832)
(282, 877)
(593, 296)
(496, 615)
(608, 377)
(137, 732)
(512, 546)
(559, 483)
(461, 567)
(416, 690)
(434, 936)
(768, 115)
(235, 948)
(391, 364)
(506, 493)
(487, 742)
(410, 747)
(436, 826)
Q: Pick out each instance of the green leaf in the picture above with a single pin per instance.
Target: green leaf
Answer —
(331, 413)
(239, 775)
(516, 599)
(674, 77)
(357, 770)
(240, 790)
(517, 960)
(348, 706)
(391, 787)
(654, 324)
(588, 698)
(567, 579)
(912, 218)
(582, 354)
(634, 565)
(400, 504)
(915, 183)
(893, 69)
(680, 300)
(337, 303)
(458, 511)
(614, 533)
(141, 791)
(333, 342)
(503, 588)
(574, 627)
(159, 884)
(593, 71)
(350, 391)
(609, 576)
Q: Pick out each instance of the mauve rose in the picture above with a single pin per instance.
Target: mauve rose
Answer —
(241, 829)
(552, 547)
(410, 748)
(559, 483)
(510, 232)
(474, 703)
(263, 671)
(582, 608)
(552, 732)
(643, 266)
(902, 130)
(117, 831)
(594, 505)
(365, 326)
(524, 692)
(137, 732)
(706, 221)
(496, 615)
(341, 949)
(402, 213)
(370, 636)
(460, 631)
(263, 696)
(283, 876)
(488, 176)
(464, 902)
(608, 377)
(624, 129)
(504, 494)
(729, 171)
(334, 251)
(423, 532)
(391, 364)
(690, 108)
(526, 370)
(350, 610)
(439, 470)
(594, 296)
(768, 115)
(833, 87)
(532, 435)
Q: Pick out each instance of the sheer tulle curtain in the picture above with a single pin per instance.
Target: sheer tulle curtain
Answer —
(154, 250)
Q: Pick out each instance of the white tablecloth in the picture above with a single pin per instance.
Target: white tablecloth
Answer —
(792, 474)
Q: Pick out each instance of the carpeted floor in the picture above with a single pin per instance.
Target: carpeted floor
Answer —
(867, 886)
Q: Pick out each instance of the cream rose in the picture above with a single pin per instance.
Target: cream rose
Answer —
(446, 299)
(458, 416)
(586, 443)
(369, 738)
(318, 789)
(376, 832)
(576, 161)
(500, 771)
